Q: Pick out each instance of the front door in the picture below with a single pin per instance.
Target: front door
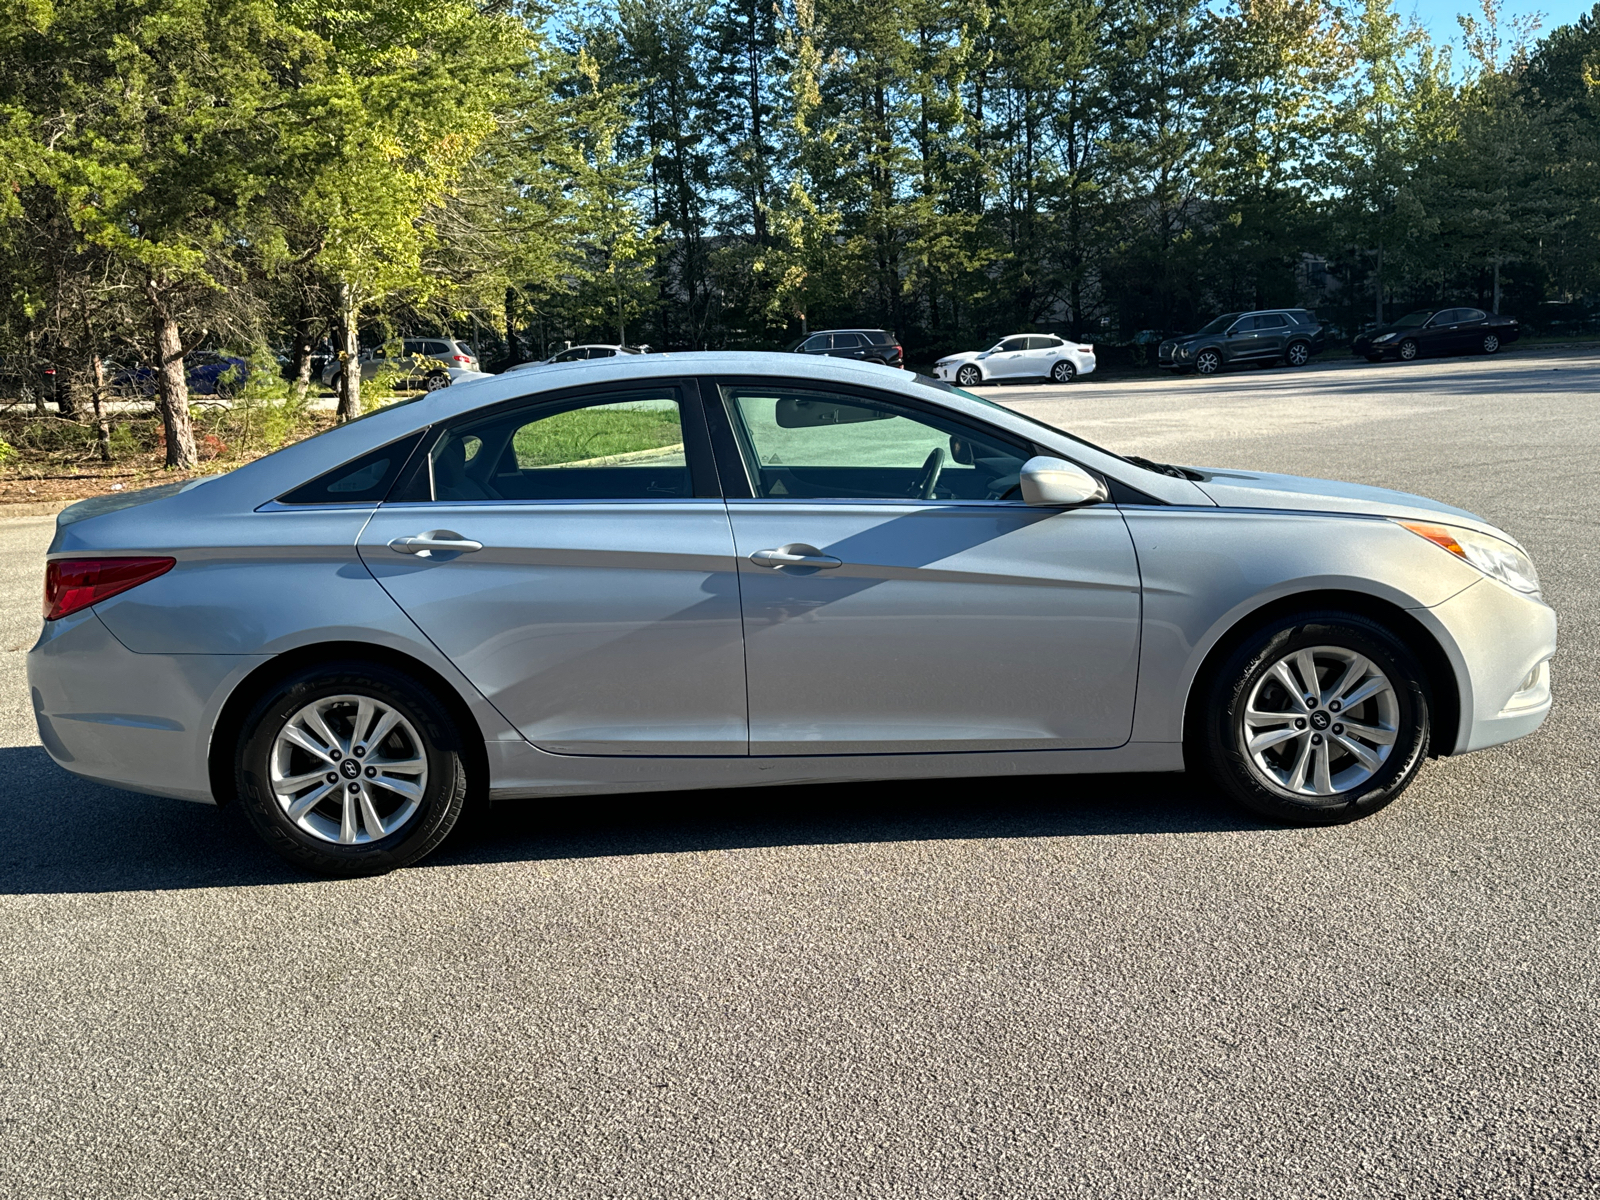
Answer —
(1008, 360)
(899, 597)
(586, 582)
(1242, 342)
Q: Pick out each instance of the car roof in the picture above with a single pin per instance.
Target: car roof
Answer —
(256, 483)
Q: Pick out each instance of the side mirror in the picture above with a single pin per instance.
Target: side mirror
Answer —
(1056, 483)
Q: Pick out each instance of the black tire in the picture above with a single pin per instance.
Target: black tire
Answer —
(1491, 343)
(443, 798)
(1063, 372)
(1207, 362)
(969, 376)
(1298, 354)
(1409, 350)
(1218, 738)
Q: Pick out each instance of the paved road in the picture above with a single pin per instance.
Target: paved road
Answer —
(1097, 987)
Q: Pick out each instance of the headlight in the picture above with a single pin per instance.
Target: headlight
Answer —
(1180, 352)
(1388, 337)
(1495, 558)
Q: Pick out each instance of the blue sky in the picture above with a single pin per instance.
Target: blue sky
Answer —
(1440, 15)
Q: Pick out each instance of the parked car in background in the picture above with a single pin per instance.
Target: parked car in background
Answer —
(1266, 337)
(24, 377)
(863, 345)
(429, 363)
(1037, 356)
(581, 354)
(1434, 331)
(207, 372)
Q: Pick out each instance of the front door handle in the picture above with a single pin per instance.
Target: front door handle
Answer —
(796, 554)
(426, 544)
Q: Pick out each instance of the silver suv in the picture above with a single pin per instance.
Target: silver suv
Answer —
(419, 361)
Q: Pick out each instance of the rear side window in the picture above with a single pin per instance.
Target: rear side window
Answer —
(847, 341)
(877, 337)
(1043, 343)
(621, 446)
(1272, 321)
(364, 480)
(1471, 314)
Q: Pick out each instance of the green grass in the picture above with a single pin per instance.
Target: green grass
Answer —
(595, 433)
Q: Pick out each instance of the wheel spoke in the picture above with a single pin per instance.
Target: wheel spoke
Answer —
(1273, 737)
(318, 725)
(1370, 733)
(1364, 756)
(1307, 666)
(347, 819)
(306, 742)
(309, 801)
(364, 711)
(1297, 776)
(294, 783)
(1321, 783)
(406, 787)
(406, 766)
(1370, 688)
(1280, 671)
(369, 816)
(1352, 673)
(386, 722)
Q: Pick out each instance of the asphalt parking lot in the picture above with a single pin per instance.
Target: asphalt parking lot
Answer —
(1096, 986)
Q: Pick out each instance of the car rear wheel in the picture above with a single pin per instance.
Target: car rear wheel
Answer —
(436, 381)
(1063, 372)
(969, 376)
(1298, 354)
(1315, 719)
(350, 769)
(1491, 343)
(1208, 362)
(1408, 350)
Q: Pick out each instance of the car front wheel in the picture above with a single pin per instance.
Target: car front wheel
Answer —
(1315, 719)
(1208, 362)
(1408, 350)
(350, 769)
(969, 377)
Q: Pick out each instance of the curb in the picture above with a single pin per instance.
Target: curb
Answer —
(34, 508)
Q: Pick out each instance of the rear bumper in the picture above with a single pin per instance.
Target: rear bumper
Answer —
(137, 721)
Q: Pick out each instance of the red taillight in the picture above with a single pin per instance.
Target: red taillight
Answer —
(460, 358)
(74, 583)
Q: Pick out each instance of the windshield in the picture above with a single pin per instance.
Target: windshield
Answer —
(1220, 323)
(941, 385)
(1412, 320)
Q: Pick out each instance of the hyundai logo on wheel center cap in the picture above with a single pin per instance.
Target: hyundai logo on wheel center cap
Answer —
(352, 768)
(1320, 719)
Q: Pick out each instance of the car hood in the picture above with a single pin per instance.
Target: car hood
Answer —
(1249, 489)
(964, 356)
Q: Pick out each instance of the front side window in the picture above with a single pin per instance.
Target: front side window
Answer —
(1011, 344)
(571, 355)
(803, 443)
(620, 446)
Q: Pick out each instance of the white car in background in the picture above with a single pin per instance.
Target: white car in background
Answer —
(580, 354)
(1022, 356)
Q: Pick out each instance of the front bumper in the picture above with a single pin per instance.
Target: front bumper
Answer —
(137, 721)
(1500, 643)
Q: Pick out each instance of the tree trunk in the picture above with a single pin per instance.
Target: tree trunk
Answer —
(304, 328)
(172, 386)
(97, 394)
(1497, 285)
(1378, 273)
(349, 355)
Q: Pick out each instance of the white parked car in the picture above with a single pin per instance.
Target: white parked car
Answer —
(1022, 356)
(580, 354)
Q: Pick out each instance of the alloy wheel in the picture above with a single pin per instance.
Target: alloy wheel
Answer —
(1322, 720)
(1408, 350)
(1063, 372)
(348, 769)
(1491, 343)
(1299, 354)
(969, 376)
(1209, 362)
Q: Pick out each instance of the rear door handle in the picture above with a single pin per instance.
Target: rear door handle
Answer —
(796, 554)
(424, 545)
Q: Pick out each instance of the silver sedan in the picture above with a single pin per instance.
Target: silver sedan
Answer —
(715, 570)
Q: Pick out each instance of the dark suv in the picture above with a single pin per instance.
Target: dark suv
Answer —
(1269, 336)
(865, 345)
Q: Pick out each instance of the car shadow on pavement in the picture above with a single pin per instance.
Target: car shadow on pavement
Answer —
(65, 834)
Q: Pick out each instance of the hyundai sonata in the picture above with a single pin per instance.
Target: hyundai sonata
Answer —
(715, 570)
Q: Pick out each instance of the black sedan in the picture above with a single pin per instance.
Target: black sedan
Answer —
(1435, 331)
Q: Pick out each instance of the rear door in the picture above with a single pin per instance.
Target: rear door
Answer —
(848, 345)
(1041, 354)
(1272, 335)
(587, 587)
(898, 596)
(1471, 325)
